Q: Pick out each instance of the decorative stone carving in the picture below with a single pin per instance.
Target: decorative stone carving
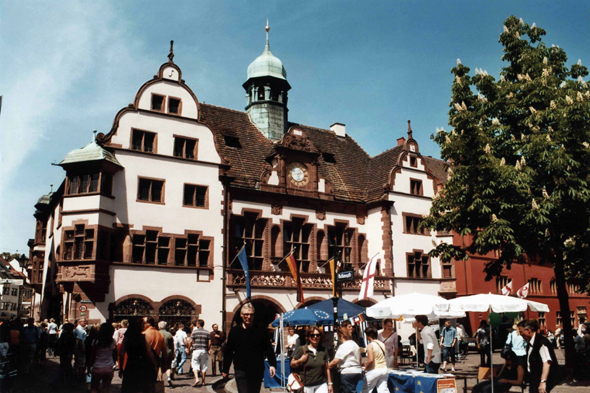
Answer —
(320, 215)
(448, 286)
(73, 273)
(277, 210)
(297, 142)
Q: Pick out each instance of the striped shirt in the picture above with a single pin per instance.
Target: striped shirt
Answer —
(200, 339)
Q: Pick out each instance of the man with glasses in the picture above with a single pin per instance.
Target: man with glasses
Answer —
(247, 347)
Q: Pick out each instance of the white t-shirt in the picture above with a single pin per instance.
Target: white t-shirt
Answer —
(52, 328)
(543, 351)
(350, 355)
(293, 341)
(391, 344)
(430, 342)
(179, 339)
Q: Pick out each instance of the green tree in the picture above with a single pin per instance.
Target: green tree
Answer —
(519, 162)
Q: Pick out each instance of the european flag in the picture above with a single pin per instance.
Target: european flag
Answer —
(244, 261)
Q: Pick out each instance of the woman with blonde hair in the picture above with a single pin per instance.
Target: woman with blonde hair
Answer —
(376, 371)
(516, 343)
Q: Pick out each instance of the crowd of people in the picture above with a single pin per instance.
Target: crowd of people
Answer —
(146, 353)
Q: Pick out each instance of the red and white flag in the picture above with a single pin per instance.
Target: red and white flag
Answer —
(524, 291)
(369, 277)
(507, 290)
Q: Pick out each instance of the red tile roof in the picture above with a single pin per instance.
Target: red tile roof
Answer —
(355, 176)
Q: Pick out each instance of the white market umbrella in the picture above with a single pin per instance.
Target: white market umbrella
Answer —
(497, 304)
(410, 305)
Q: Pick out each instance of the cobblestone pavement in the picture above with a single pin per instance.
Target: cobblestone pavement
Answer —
(38, 380)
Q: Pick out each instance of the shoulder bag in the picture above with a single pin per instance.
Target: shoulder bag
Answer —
(295, 383)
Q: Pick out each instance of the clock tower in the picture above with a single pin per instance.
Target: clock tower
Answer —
(266, 93)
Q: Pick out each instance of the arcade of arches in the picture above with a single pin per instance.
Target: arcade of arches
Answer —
(172, 310)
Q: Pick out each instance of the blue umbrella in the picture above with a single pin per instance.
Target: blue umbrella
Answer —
(304, 316)
(344, 307)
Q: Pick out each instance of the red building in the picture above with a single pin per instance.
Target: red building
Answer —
(471, 280)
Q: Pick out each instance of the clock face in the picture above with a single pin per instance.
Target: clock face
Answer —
(298, 174)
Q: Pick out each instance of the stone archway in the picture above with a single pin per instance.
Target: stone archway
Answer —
(176, 310)
(265, 309)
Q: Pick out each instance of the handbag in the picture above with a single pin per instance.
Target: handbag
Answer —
(508, 346)
(294, 382)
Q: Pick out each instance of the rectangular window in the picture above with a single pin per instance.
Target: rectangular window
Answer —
(416, 187)
(150, 190)
(574, 289)
(143, 141)
(157, 103)
(340, 242)
(79, 243)
(174, 105)
(14, 292)
(151, 248)
(250, 230)
(412, 225)
(186, 147)
(297, 238)
(535, 286)
(447, 269)
(501, 282)
(542, 321)
(553, 286)
(413, 162)
(192, 250)
(5, 289)
(195, 196)
(83, 183)
(418, 265)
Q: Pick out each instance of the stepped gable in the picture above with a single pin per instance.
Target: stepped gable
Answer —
(248, 161)
(347, 175)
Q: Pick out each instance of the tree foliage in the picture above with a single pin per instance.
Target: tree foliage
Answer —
(519, 159)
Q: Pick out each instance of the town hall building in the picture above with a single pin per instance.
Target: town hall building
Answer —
(152, 213)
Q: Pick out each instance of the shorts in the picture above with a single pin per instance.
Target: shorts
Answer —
(200, 360)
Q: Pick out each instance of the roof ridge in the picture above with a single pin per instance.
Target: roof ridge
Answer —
(386, 151)
(224, 108)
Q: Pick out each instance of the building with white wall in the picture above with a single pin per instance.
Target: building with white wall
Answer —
(152, 213)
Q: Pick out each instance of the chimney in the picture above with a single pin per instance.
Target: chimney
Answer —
(401, 141)
(339, 129)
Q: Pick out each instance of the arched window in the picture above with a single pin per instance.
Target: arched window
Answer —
(133, 307)
(177, 311)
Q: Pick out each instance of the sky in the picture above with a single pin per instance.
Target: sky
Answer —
(68, 67)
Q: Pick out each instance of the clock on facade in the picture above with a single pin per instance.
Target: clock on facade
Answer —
(298, 174)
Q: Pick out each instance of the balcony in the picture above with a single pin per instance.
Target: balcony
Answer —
(283, 280)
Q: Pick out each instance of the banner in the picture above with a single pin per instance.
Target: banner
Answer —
(244, 262)
(292, 263)
(524, 291)
(332, 263)
(507, 290)
(369, 278)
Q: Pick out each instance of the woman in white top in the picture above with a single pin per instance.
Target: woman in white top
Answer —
(292, 341)
(388, 336)
(376, 371)
(348, 360)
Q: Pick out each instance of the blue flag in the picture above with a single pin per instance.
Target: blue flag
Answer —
(244, 261)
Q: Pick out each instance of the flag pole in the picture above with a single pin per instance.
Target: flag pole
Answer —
(236, 257)
(286, 256)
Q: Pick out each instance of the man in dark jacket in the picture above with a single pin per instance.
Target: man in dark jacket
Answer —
(247, 347)
(542, 368)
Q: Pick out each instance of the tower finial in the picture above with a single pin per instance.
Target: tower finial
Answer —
(94, 136)
(171, 54)
(267, 28)
(409, 130)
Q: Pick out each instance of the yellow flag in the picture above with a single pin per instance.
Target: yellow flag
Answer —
(333, 272)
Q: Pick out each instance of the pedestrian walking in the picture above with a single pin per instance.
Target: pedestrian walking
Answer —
(138, 363)
(179, 348)
(517, 344)
(247, 347)
(30, 337)
(542, 368)
(311, 361)
(119, 336)
(79, 352)
(169, 352)
(347, 359)
(200, 341)
(389, 337)
(482, 338)
(101, 361)
(430, 344)
(448, 340)
(376, 370)
(64, 348)
(217, 343)
(52, 331)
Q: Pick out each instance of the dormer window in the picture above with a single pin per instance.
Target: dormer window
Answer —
(174, 105)
(413, 162)
(157, 103)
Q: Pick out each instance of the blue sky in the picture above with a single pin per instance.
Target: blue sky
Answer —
(67, 67)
